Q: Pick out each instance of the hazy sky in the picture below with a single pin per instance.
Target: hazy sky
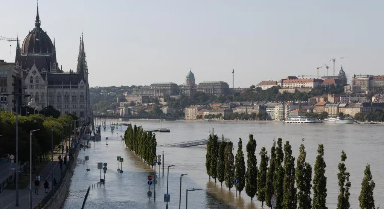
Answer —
(142, 42)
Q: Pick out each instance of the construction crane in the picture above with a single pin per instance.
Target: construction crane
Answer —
(317, 71)
(334, 63)
(9, 40)
(326, 66)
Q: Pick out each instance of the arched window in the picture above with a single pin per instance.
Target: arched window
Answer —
(37, 80)
(37, 97)
(31, 79)
(82, 97)
(59, 98)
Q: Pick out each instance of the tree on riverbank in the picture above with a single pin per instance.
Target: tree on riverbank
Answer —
(229, 166)
(251, 175)
(367, 186)
(262, 176)
(208, 156)
(269, 191)
(320, 181)
(214, 156)
(303, 180)
(221, 162)
(278, 178)
(240, 167)
(344, 184)
(289, 196)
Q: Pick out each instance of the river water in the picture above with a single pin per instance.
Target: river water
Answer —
(362, 143)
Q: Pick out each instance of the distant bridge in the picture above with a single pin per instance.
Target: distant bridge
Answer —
(188, 143)
(128, 117)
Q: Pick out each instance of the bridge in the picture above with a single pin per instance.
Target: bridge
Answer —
(188, 143)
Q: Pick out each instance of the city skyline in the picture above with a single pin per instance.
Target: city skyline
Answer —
(139, 43)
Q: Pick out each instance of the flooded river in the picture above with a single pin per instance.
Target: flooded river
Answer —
(362, 143)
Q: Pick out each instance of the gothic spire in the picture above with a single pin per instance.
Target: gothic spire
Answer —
(37, 21)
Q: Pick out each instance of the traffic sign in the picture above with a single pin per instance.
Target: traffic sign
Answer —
(149, 183)
(99, 165)
(167, 197)
(12, 157)
(13, 166)
(118, 158)
(149, 178)
(121, 159)
(155, 161)
(149, 194)
(273, 201)
(237, 181)
(159, 163)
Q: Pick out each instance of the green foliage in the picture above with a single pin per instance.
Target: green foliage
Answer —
(214, 157)
(367, 186)
(208, 156)
(344, 184)
(221, 162)
(278, 182)
(303, 180)
(251, 175)
(141, 142)
(289, 196)
(240, 167)
(320, 181)
(270, 176)
(229, 166)
(41, 141)
(377, 115)
(262, 176)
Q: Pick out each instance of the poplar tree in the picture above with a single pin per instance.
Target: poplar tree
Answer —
(251, 175)
(303, 180)
(221, 163)
(344, 184)
(208, 156)
(269, 191)
(229, 166)
(214, 155)
(367, 186)
(320, 181)
(240, 167)
(262, 176)
(278, 181)
(289, 197)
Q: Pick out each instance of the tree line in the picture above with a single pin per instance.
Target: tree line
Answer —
(142, 143)
(41, 141)
(277, 175)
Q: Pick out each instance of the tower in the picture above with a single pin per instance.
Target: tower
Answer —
(190, 79)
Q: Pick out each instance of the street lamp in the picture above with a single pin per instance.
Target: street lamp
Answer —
(167, 181)
(52, 154)
(184, 174)
(30, 167)
(17, 142)
(186, 196)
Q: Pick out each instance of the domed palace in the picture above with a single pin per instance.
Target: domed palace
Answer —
(48, 84)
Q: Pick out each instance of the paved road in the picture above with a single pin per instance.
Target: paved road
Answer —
(8, 197)
(5, 169)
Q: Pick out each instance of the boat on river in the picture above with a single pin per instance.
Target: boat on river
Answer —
(339, 120)
(301, 119)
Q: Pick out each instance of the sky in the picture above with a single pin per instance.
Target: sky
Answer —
(131, 42)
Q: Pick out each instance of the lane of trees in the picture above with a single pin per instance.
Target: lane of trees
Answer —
(278, 176)
(142, 143)
(41, 141)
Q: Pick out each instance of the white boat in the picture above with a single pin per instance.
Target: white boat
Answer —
(301, 119)
(338, 120)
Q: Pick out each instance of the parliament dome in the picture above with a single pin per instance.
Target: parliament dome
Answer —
(37, 41)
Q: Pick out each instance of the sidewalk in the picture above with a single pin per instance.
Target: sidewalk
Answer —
(8, 197)
(5, 170)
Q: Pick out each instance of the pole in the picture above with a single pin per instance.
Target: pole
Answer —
(181, 176)
(163, 163)
(17, 152)
(167, 181)
(30, 170)
(186, 199)
(154, 186)
(52, 155)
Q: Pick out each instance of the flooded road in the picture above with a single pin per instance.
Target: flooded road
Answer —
(362, 143)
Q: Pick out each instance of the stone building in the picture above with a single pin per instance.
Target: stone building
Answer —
(190, 86)
(48, 85)
(10, 82)
(216, 88)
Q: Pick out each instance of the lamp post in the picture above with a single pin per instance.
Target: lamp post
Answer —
(30, 167)
(52, 154)
(181, 176)
(186, 196)
(167, 181)
(17, 142)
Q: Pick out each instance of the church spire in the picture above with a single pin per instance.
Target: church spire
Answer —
(37, 21)
(82, 67)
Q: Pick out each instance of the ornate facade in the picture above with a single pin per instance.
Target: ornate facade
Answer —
(48, 85)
